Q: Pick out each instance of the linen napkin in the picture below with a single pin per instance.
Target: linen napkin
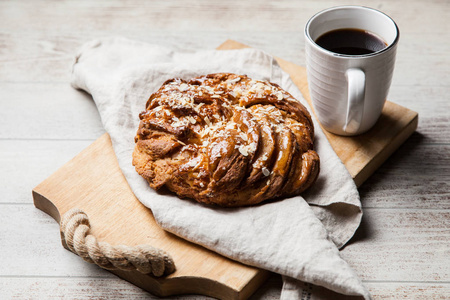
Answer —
(297, 237)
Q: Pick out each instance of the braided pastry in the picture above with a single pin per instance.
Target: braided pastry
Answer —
(226, 139)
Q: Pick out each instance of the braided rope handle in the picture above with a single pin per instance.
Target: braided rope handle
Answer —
(74, 229)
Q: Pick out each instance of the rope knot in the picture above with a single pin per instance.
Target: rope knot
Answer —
(74, 229)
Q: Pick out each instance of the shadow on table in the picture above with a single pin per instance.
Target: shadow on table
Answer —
(402, 157)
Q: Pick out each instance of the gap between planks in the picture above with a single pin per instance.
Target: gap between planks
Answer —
(113, 277)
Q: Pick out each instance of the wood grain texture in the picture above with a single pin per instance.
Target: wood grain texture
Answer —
(381, 249)
(383, 242)
(428, 232)
(35, 158)
(37, 35)
(101, 288)
(33, 60)
(113, 288)
(25, 116)
(38, 40)
(92, 181)
(416, 176)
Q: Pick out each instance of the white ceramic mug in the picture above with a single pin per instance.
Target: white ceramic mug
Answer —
(348, 92)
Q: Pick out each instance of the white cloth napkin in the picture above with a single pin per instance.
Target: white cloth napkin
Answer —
(289, 237)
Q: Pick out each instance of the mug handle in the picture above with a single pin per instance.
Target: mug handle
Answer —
(356, 80)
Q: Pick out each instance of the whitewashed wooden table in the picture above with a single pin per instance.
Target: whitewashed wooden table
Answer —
(402, 249)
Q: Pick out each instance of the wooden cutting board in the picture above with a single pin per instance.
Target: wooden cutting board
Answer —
(93, 182)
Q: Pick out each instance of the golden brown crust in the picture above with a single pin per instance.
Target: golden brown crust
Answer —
(226, 139)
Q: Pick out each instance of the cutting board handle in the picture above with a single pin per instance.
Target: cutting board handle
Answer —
(74, 229)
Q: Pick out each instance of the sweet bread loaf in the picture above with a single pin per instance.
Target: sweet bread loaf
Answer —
(226, 139)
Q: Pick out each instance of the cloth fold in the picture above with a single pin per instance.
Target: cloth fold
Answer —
(297, 237)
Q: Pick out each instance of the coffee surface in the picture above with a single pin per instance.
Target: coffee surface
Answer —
(351, 41)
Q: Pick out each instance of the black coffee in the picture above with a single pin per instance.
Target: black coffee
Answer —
(351, 41)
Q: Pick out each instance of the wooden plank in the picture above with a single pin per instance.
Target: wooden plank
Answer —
(26, 58)
(32, 46)
(94, 288)
(434, 123)
(363, 154)
(47, 111)
(92, 180)
(398, 245)
(416, 176)
(25, 163)
(401, 245)
(40, 255)
(75, 288)
(111, 16)
(103, 288)
(386, 290)
(409, 290)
